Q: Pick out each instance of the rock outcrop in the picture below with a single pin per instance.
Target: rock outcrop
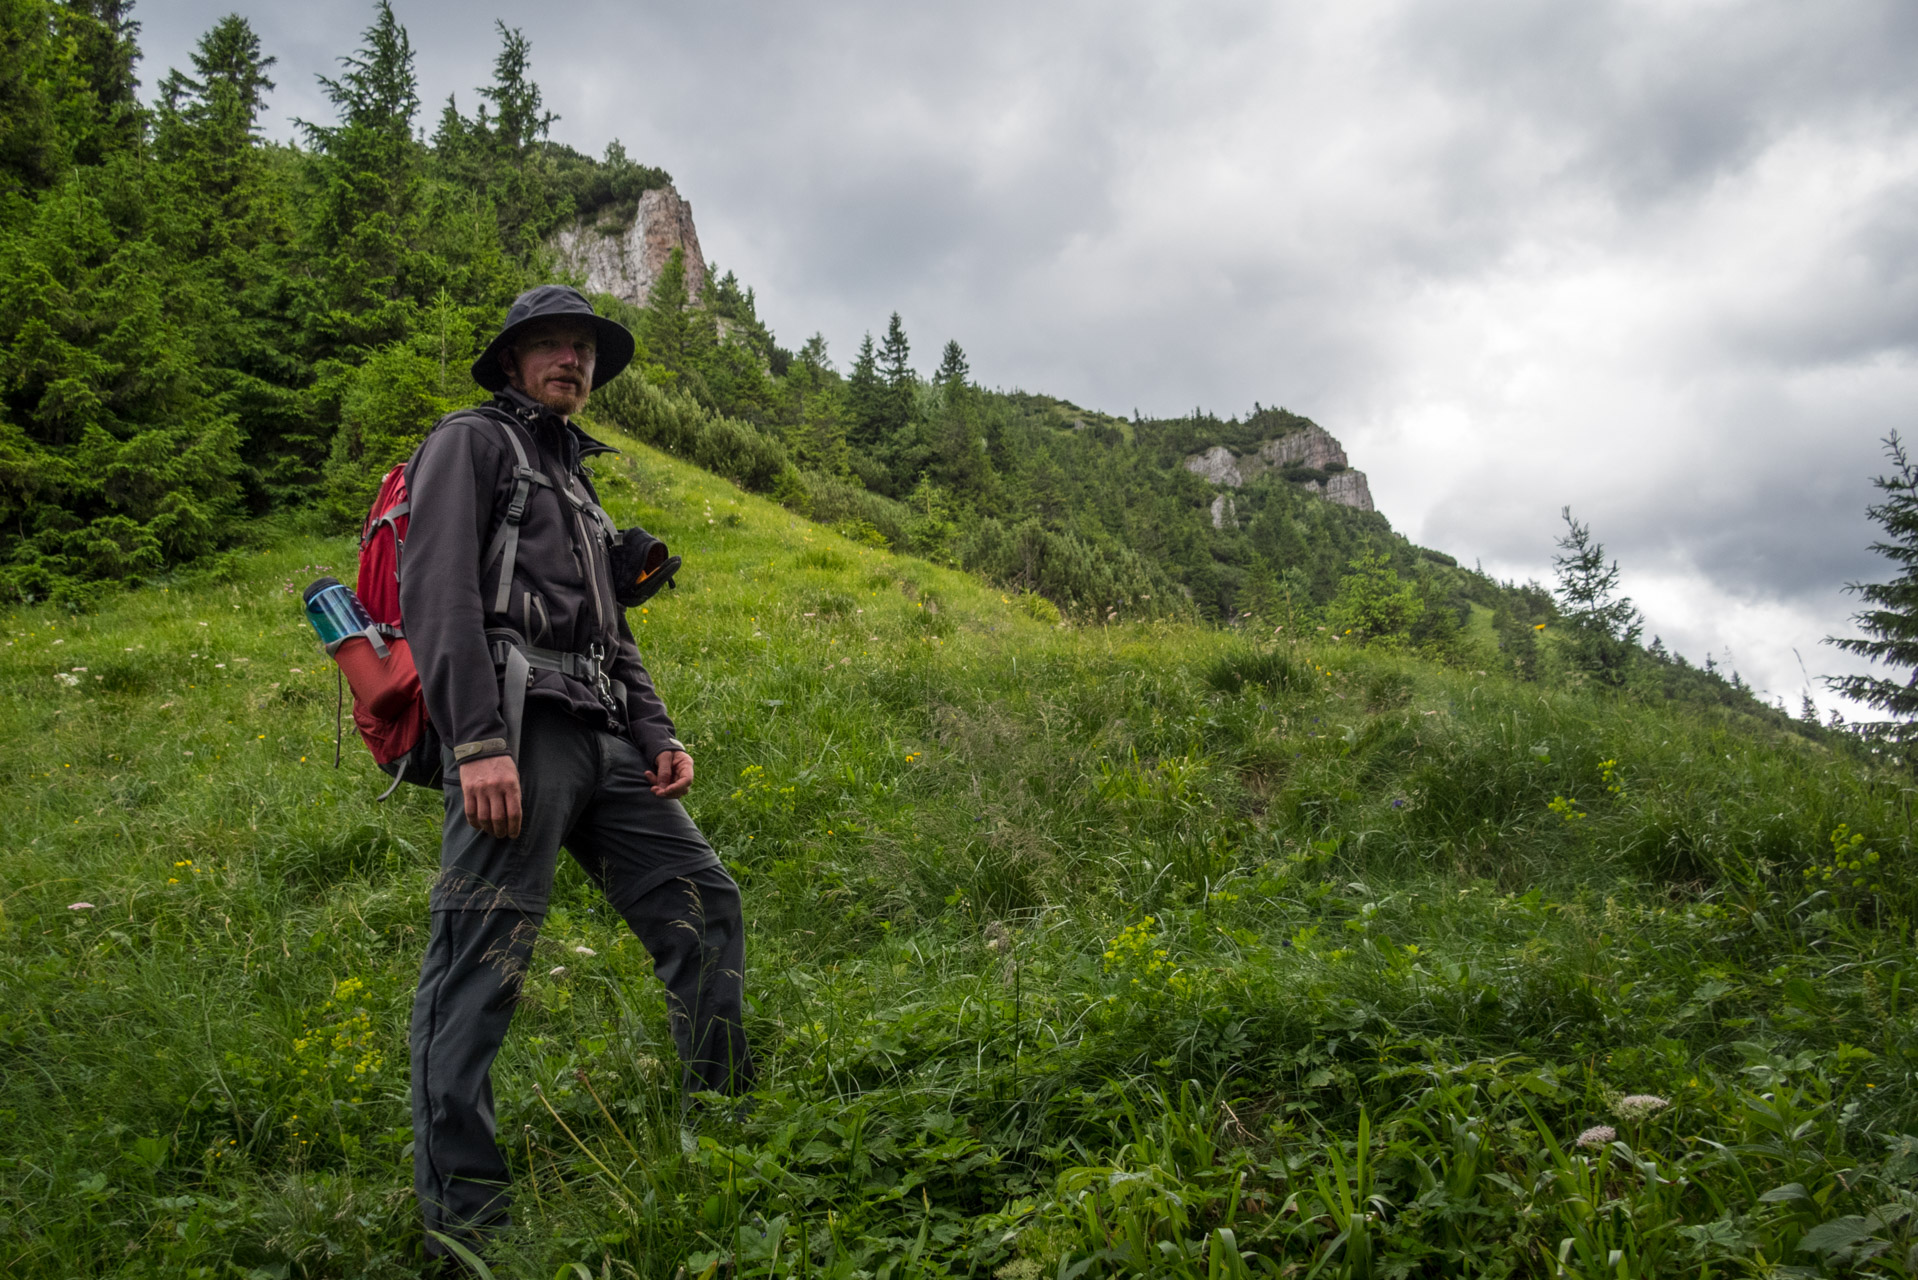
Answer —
(1313, 457)
(624, 258)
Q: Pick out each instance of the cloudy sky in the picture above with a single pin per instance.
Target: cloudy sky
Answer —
(1653, 259)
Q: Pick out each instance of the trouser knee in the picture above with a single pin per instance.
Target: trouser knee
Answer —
(694, 928)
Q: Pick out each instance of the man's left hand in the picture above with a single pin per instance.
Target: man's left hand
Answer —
(671, 775)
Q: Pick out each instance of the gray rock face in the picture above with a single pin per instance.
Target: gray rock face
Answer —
(1312, 447)
(625, 260)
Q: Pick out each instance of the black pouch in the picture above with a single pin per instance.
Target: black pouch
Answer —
(641, 566)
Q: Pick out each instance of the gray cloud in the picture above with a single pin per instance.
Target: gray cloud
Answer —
(1658, 262)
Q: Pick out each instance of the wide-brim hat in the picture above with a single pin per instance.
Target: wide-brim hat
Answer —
(614, 340)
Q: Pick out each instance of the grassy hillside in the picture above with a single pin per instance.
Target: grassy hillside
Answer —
(1122, 950)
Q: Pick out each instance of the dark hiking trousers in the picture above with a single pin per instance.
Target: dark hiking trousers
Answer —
(584, 789)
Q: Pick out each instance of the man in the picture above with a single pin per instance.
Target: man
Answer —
(554, 736)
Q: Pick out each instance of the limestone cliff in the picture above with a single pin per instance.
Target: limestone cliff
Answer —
(623, 257)
(1310, 457)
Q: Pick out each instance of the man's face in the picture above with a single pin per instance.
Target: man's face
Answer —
(553, 363)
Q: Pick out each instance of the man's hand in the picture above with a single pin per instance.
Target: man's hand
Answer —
(490, 788)
(671, 775)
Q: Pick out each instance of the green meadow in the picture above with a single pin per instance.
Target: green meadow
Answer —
(1144, 949)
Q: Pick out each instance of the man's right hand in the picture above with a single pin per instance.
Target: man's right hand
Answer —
(491, 790)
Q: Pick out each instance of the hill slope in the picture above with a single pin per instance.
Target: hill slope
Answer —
(1136, 944)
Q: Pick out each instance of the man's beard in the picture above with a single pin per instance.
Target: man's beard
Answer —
(562, 398)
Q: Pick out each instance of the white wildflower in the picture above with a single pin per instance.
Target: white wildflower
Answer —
(1636, 1106)
(584, 951)
(557, 971)
(1597, 1136)
(79, 906)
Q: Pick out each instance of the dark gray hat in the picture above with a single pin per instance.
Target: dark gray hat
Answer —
(614, 340)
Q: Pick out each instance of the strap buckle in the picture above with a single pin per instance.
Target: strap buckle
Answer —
(602, 683)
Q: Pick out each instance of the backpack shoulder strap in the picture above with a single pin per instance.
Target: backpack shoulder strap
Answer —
(505, 544)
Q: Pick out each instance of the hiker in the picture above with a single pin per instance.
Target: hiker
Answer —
(554, 736)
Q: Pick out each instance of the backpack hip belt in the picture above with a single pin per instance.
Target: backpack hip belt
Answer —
(518, 660)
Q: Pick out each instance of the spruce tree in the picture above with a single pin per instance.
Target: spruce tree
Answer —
(864, 399)
(1891, 623)
(1604, 627)
(508, 141)
(206, 130)
(953, 369)
(675, 332)
(1374, 606)
(958, 461)
(233, 219)
(104, 36)
(36, 108)
(812, 419)
(900, 445)
(895, 371)
(368, 192)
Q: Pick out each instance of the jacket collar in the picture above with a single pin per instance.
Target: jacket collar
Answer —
(538, 417)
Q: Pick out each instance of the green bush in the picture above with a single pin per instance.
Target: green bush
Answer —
(678, 424)
(1096, 580)
(1038, 608)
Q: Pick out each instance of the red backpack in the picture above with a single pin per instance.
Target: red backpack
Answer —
(389, 708)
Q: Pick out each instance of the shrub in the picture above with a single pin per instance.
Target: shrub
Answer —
(1038, 608)
(850, 508)
(678, 424)
(1100, 578)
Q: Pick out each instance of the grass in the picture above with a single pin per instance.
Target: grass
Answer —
(1139, 950)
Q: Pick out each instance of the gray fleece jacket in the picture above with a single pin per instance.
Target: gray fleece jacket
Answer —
(460, 482)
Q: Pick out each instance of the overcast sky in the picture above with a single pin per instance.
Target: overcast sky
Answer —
(1657, 261)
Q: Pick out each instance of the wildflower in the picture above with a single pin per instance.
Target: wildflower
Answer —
(1636, 1106)
(584, 951)
(557, 971)
(1566, 809)
(79, 906)
(1597, 1136)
